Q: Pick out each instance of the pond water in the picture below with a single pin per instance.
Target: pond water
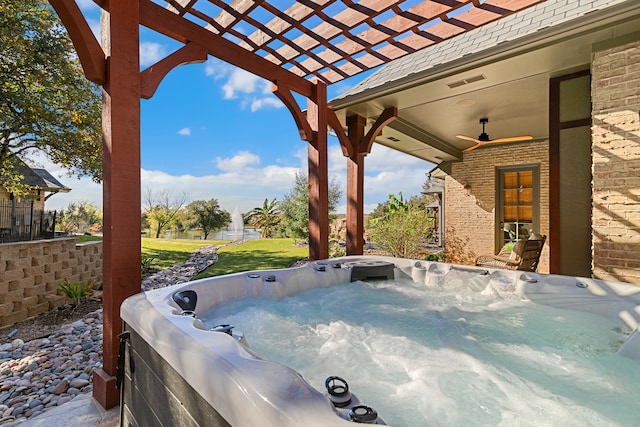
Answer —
(245, 234)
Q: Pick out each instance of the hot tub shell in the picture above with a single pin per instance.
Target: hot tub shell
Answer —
(176, 372)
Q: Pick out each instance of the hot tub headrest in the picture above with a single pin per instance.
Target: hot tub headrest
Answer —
(371, 270)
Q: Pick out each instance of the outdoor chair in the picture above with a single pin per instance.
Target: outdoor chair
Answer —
(524, 256)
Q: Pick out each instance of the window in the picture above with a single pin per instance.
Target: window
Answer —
(517, 203)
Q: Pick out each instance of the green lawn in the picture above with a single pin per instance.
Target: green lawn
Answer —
(262, 254)
(169, 252)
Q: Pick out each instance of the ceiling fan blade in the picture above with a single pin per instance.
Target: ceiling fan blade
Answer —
(483, 139)
(468, 138)
(512, 139)
(473, 147)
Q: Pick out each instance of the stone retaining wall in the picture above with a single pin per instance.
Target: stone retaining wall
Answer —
(30, 273)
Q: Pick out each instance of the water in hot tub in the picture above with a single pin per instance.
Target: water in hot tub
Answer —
(443, 356)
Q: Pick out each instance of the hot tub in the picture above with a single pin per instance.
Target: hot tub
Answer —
(177, 371)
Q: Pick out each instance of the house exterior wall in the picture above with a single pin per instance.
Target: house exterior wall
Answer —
(30, 273)
(39, 199)
(615, 91)
(470, 221)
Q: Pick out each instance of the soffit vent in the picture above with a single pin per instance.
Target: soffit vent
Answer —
(467, 81)
(391, 138)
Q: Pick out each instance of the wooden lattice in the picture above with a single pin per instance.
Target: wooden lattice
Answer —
(336, 39)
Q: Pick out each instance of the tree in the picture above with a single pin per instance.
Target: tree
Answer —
(295, 206)
(207, 215)
(181, 221)
(378, 212)
(78, 217)
(404, 229)
(46, 103)
(161, 209)
(266, 218)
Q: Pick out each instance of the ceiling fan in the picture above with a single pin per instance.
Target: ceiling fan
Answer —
(483, 138)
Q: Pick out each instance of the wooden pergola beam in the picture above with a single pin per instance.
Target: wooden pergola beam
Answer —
(388, 115)
(90, 53)
(334, 123)
(284, 94)
(151, 77)
(171, 25)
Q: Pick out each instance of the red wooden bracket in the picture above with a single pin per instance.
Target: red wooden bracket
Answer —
(151, 77)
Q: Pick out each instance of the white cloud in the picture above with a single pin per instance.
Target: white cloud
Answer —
(150, 53)
(260, 103)
(242, 86)
(267, 86)
(244, 183)
(217, 69)
(237, 162)
(301, 153)
(386, 172)
(184, 131)
(240, 81)
(244, 188)
(389, 171)
(383, 158)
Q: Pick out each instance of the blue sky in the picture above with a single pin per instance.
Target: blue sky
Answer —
(214, 131)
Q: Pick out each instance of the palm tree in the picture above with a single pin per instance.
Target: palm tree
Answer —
(265, 218)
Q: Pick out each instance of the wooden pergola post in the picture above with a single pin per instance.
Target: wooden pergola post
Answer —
(355, 146)
(121, 183)
(355, 186)
(318, 174)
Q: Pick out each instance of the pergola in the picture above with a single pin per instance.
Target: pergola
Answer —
(300, 48)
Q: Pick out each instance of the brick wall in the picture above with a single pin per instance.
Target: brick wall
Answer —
(470, 221)
(30, 273)
(615, 95)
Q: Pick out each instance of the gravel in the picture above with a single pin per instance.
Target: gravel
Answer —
(44, 373)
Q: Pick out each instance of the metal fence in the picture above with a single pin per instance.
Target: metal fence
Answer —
(20, 221)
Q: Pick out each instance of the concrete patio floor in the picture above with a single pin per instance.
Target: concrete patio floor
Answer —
(83, 411)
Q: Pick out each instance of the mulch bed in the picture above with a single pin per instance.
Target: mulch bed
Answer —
(46, 323)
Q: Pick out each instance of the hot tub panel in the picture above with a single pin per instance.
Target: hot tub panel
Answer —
(153, 394)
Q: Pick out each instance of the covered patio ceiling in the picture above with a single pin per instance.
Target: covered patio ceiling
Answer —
(506, 82)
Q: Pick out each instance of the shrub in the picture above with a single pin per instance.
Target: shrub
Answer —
(404, 230)
(146, 262)
(435, 256)
(76, 290)
(336, 250)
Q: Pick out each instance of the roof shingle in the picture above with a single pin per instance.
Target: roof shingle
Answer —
(526, 22)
